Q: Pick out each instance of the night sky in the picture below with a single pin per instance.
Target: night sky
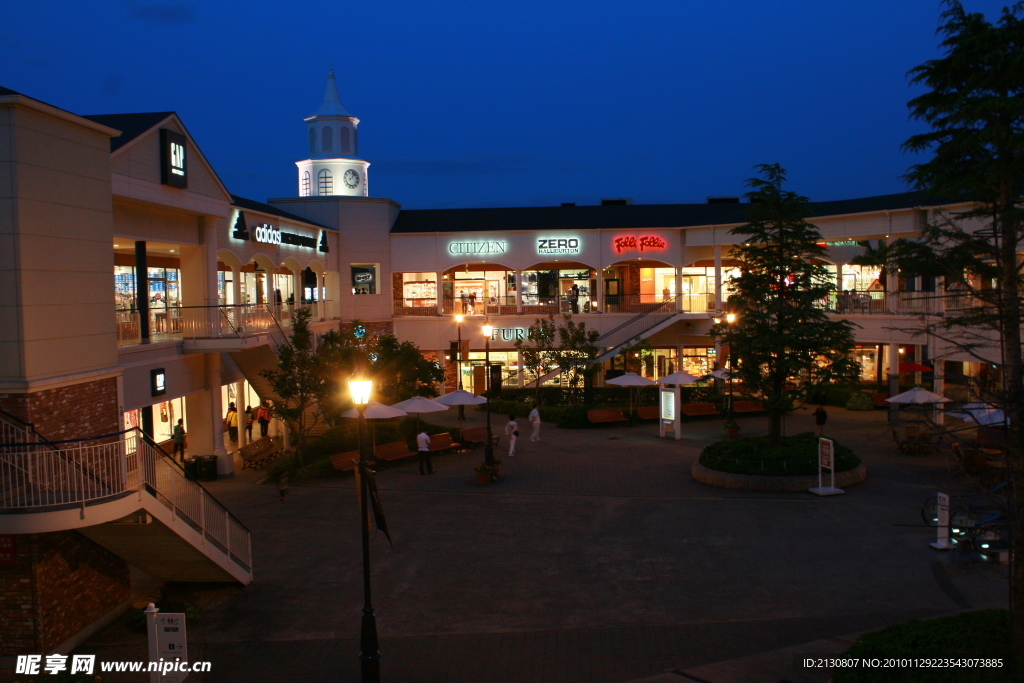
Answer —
(506, 104)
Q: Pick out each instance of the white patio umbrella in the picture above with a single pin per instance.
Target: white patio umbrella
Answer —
(917, 395)
(419, 404)
(720, 373)
(631, 379)
(980, 414)
(375, 410)
(681, 377)
(460, 397)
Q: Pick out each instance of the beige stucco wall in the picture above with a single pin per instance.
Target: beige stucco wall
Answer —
(55, 248)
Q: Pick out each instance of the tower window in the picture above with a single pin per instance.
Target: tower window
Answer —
(312, 142)
(344, 139)
(305, 184)
(328, 142)
(325, 183)
(355, 142)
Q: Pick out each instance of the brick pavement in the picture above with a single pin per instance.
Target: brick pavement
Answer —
(597, 558)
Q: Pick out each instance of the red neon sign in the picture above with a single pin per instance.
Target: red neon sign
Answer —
(643, 243)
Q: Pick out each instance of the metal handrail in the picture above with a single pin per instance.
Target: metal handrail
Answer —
(640, 323)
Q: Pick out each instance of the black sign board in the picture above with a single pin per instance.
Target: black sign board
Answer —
(157, 382)
(173, 169)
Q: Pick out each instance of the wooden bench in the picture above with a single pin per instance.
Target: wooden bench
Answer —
(258, 453)
(476, 436)
(442, 442)
(648, 412)
(747, 407)
(698, 409)
(385, 452)
(608, 415)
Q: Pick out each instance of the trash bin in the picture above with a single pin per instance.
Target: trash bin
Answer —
(192, 468)
(207, 467)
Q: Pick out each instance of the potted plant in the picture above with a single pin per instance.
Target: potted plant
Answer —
(483, 473)
(732, 428)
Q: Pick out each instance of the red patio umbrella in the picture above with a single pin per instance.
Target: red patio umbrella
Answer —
(910, 366)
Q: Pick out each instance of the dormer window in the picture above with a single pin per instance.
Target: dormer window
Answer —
(305, 184)
(344, 139)
(328, 142)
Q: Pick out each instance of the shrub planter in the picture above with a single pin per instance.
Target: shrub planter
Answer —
(774, 484)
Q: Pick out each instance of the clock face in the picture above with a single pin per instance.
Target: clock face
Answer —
(351, 178)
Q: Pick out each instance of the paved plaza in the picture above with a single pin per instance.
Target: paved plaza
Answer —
(596, 559)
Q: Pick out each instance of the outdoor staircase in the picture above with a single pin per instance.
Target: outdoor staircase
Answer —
(640, 326)
(125, 494)
(252, 362)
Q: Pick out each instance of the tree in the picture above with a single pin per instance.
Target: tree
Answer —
(535, 350)
(974, 107)
(782, 336)
(577, 348)
(302, 380)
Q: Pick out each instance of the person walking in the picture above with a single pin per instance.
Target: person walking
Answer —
(178, 437)
(820, 418)
(423, 447)
(512, 432)
(263, 417)
(282, 485)
(534, 424)
(231, 422)
(249, 419)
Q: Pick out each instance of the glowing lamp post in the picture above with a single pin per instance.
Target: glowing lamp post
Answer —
(488, 330)
(730, 318)
(458, 363)
(369, 656)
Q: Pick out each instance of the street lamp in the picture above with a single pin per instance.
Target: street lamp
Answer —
(458, 368)
(369, 655)
(488, 330)
(730, 318)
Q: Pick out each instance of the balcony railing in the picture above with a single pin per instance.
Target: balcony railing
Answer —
(39, 474)
(206, 322)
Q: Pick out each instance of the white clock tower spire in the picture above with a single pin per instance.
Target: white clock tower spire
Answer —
(333, 166)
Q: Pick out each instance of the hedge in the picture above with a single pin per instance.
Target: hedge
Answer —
(796, 455)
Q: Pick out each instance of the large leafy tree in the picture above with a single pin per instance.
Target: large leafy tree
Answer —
(784, 340)
(535, 350)
(974, 107)
(577, 348)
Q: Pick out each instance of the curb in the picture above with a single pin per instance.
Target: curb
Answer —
(768, 484)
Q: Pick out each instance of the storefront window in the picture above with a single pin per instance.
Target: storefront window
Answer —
(165, 415)
(699, 360)
(163, 288)
(419, 290)
(364, 278)
(473, 370)
(124, 287)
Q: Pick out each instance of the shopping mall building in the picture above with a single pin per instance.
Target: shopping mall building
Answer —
(137, 291)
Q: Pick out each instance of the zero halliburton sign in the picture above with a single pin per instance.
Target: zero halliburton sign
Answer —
(173, 170)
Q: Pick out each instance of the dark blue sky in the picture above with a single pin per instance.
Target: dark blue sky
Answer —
(506, 104)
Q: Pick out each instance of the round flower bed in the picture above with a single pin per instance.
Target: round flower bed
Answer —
(750, 464)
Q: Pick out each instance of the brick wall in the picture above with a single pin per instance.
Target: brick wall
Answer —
(17, 613)
(61, 583)
(69, 412)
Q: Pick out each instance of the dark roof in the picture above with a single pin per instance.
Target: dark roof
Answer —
(625, 216)
(243, 203)
(130, 125)
(4, 92)
(8, 91)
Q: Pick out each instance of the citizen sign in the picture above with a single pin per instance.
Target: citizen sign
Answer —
(569, 245)
(477, 248)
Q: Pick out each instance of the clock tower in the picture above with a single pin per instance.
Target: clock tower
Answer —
(333, 167)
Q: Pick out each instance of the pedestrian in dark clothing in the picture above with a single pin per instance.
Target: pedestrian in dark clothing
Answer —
(178, 437)
(820, 418)
(282, 485)
(423, 447)
(249, 419)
